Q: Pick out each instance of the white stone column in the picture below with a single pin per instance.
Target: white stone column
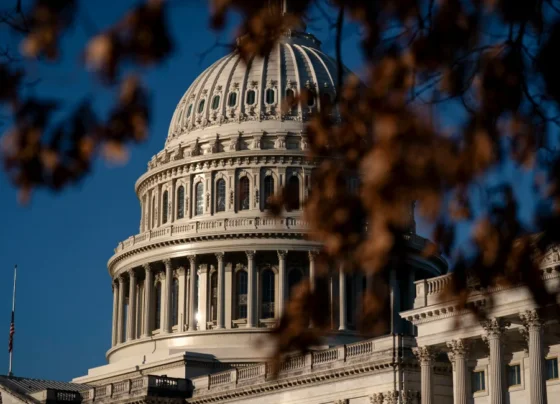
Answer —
(221, 281)
(115, 287)
(534, 333)
(426, 356)
(342, 298)
(228, 296)
(494, 331)
(192, 293)
(181, 275)
(312, 255)
(120, 321)
(458, 351)
(148, 287)
(250, 288)
(203, 297)
(131, 318)
(167, 299)
(282, 293)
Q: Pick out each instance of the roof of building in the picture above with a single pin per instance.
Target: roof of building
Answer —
(26, 385)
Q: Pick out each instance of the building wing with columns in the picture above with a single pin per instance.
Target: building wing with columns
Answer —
(197, 291)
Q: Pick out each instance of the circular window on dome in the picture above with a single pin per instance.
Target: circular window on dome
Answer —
(232, 99)
(270, 96)
(216, 102)
(251, 97)
(189, 111)
(201, 106)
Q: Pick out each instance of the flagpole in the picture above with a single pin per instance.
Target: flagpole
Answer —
(12, 325)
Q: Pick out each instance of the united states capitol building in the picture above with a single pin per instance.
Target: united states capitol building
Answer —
(197, 291)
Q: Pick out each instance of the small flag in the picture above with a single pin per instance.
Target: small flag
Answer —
(12, 332)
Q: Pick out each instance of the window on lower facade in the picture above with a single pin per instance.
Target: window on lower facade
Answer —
(552, 368)
(175, 302)
(244, 193)
(181, 202)
(214, 297)
(165, 207)
(514, 375)
(268, 190)
(478, 381)
(221, 195)
(157, 316)
(241, 287)
(267, 309)
(199, 199)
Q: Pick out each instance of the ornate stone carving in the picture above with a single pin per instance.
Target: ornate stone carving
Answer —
(424, 354)
(250, 254)
(531, 319)
(160, 277)
(179, 271)
(376, 398)
(166, 262)
(457, 348)
(131, 274)
(147, 267)
(256, 197)
(312, 255)
(409, 397)
(391, 397)
(220, 256)
(282, 254)
(494, 328)
(280, 142)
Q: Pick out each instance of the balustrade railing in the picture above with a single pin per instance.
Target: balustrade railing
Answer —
(329, 355)
(336, 357)
(67, 396)
(359, 349)
(220, 378)
(212, 226)
(133, 386)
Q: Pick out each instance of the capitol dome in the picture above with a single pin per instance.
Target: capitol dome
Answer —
(231, 92)
(210, 271)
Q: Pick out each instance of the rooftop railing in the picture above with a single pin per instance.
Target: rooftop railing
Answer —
(164, 386)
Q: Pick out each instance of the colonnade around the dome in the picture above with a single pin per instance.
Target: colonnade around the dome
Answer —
(245, 289)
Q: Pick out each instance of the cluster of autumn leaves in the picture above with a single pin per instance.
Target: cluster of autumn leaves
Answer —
(491, 60)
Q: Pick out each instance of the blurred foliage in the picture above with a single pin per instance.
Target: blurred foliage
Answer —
(494, 60)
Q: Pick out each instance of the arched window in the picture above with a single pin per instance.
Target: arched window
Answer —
(214, 296)
(268, 189)
(181, 202)
(267, 308)
(189, 111)
(294, 277)
(244, 193)
(199, 198)
(220, 195)
(165, 207)
(241, 289)
(175, 302)
(201, 106)
(251, 97)
(153, 212)
(292, 191)
(216, 102)
(232, 99)
(270, 96)
(157, 316)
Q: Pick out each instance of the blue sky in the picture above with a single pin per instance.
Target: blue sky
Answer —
(61, 242)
